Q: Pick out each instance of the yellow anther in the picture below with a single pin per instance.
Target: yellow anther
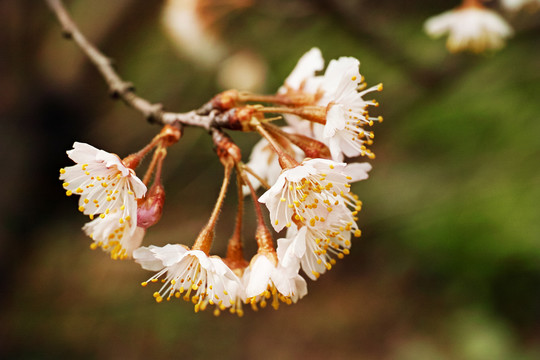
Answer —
(81, 208)
(102, 216)
(380, 87)
(69, 193)
(353, 78)
(93, 246)
(122, 207)
(62, 171)
(357, 233)
(65, 184)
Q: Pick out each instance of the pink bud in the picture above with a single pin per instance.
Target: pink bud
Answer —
(151, 207)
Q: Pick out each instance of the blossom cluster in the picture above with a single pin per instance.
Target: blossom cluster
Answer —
(306, 166)
(472, 26)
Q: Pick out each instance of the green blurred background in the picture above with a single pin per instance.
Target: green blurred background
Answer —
(447, 266)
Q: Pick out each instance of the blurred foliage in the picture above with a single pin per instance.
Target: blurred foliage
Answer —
(448, 264)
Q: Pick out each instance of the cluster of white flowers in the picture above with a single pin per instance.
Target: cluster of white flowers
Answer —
(314, 200)
(310, 196)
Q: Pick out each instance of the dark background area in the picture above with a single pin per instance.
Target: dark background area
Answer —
(447, 266)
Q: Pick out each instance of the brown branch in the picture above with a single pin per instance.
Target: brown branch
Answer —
(120, 89)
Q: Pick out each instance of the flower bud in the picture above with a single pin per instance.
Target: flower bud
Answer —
(225, 100)
(151, 207)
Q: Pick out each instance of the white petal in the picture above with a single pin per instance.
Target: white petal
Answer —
(357, 171)
(309, 63)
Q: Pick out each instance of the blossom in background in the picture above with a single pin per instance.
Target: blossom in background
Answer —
(191, 34)
(309, 192)
(191, 274)
(267, 280)
(516, 5)
(470, 27)
(109, 188)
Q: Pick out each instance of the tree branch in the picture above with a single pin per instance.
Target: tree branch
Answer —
(118, 88)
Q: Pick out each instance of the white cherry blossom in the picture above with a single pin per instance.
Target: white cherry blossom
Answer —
(105, 184)
(115, 236)
(265, 280)
(317, 247)
(191, 274)
(303, 80)
(346, 109)
(474, 28)
(516, 5)
(309, 192)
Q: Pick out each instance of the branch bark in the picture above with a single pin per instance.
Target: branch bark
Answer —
(119, 88)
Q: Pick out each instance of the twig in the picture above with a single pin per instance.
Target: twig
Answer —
(120, 89)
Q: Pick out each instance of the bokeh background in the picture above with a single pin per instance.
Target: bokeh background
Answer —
(448, 266)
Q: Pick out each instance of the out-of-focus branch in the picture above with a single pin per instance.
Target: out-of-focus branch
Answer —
(119, 88)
